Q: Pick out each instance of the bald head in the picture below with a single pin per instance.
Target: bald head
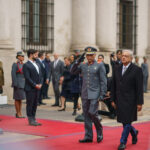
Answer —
(55, 56)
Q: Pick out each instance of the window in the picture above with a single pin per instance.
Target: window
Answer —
(38, 25)
(127, 24)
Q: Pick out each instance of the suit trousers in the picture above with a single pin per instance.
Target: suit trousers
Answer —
(127, 128)
(31, 100)
(40, 96)
(56, 91)
(45, 90)
(145, 81)
(90, 112)
(75, 97)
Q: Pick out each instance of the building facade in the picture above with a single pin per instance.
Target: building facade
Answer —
(64, 25)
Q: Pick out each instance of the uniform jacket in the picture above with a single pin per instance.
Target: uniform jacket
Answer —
(31, 76)
(17, 78)
(1, 74)
(57, 72)
(144, 67)
(127, 92)
(94, 81)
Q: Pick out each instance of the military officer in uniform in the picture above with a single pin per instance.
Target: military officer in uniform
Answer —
(94, 87)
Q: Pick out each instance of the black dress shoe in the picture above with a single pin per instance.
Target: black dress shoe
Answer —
(42, 103)
(33, 123)
(112, 116)
(74, 113)
(121, 146)
(55, 105)
(134, 138)
(38, 124)
(86, 141)
(38, 104)
(99, 138)
(47, 97)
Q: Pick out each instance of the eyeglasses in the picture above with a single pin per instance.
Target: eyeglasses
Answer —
(125, 56)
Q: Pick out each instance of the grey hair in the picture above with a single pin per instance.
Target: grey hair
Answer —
(129, 51)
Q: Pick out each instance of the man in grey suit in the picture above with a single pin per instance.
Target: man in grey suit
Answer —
(144, 67)
(57, 67)
(94, 87)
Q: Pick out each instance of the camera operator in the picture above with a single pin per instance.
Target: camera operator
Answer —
(115, 60)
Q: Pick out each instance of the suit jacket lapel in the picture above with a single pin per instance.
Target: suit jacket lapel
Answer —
(120, 72)
(57, 64)
(34, 67)
(128, 70)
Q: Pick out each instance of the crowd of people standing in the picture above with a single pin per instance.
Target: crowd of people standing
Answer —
(89, 79)
(58, 72)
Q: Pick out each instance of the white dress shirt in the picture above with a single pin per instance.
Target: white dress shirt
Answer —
(55, 62)
(35, 65)
(124, 68)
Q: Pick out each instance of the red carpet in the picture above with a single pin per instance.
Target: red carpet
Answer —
(64, 136)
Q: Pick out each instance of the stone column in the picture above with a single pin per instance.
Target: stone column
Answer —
(83, 24)
(148, 49)
(5, 42)
(106, 24)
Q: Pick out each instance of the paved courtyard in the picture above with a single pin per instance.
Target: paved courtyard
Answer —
(52, 113)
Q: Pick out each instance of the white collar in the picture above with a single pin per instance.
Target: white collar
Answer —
(31, 61)
(126, 66)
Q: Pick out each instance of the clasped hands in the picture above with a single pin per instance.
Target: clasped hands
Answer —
(38, 86)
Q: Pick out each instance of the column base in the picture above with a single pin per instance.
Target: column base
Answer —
(6, 44)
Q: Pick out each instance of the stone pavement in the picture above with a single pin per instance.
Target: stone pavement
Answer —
(48, 112)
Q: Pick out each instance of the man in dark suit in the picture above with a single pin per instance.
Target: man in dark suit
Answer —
(33, 84)
(45, 75)
(47, 63)
(144, 67)
(127, 96)
(56, 72)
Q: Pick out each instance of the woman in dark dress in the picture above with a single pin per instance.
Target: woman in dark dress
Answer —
(18, 83)
(65, 80)
(75, 89)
